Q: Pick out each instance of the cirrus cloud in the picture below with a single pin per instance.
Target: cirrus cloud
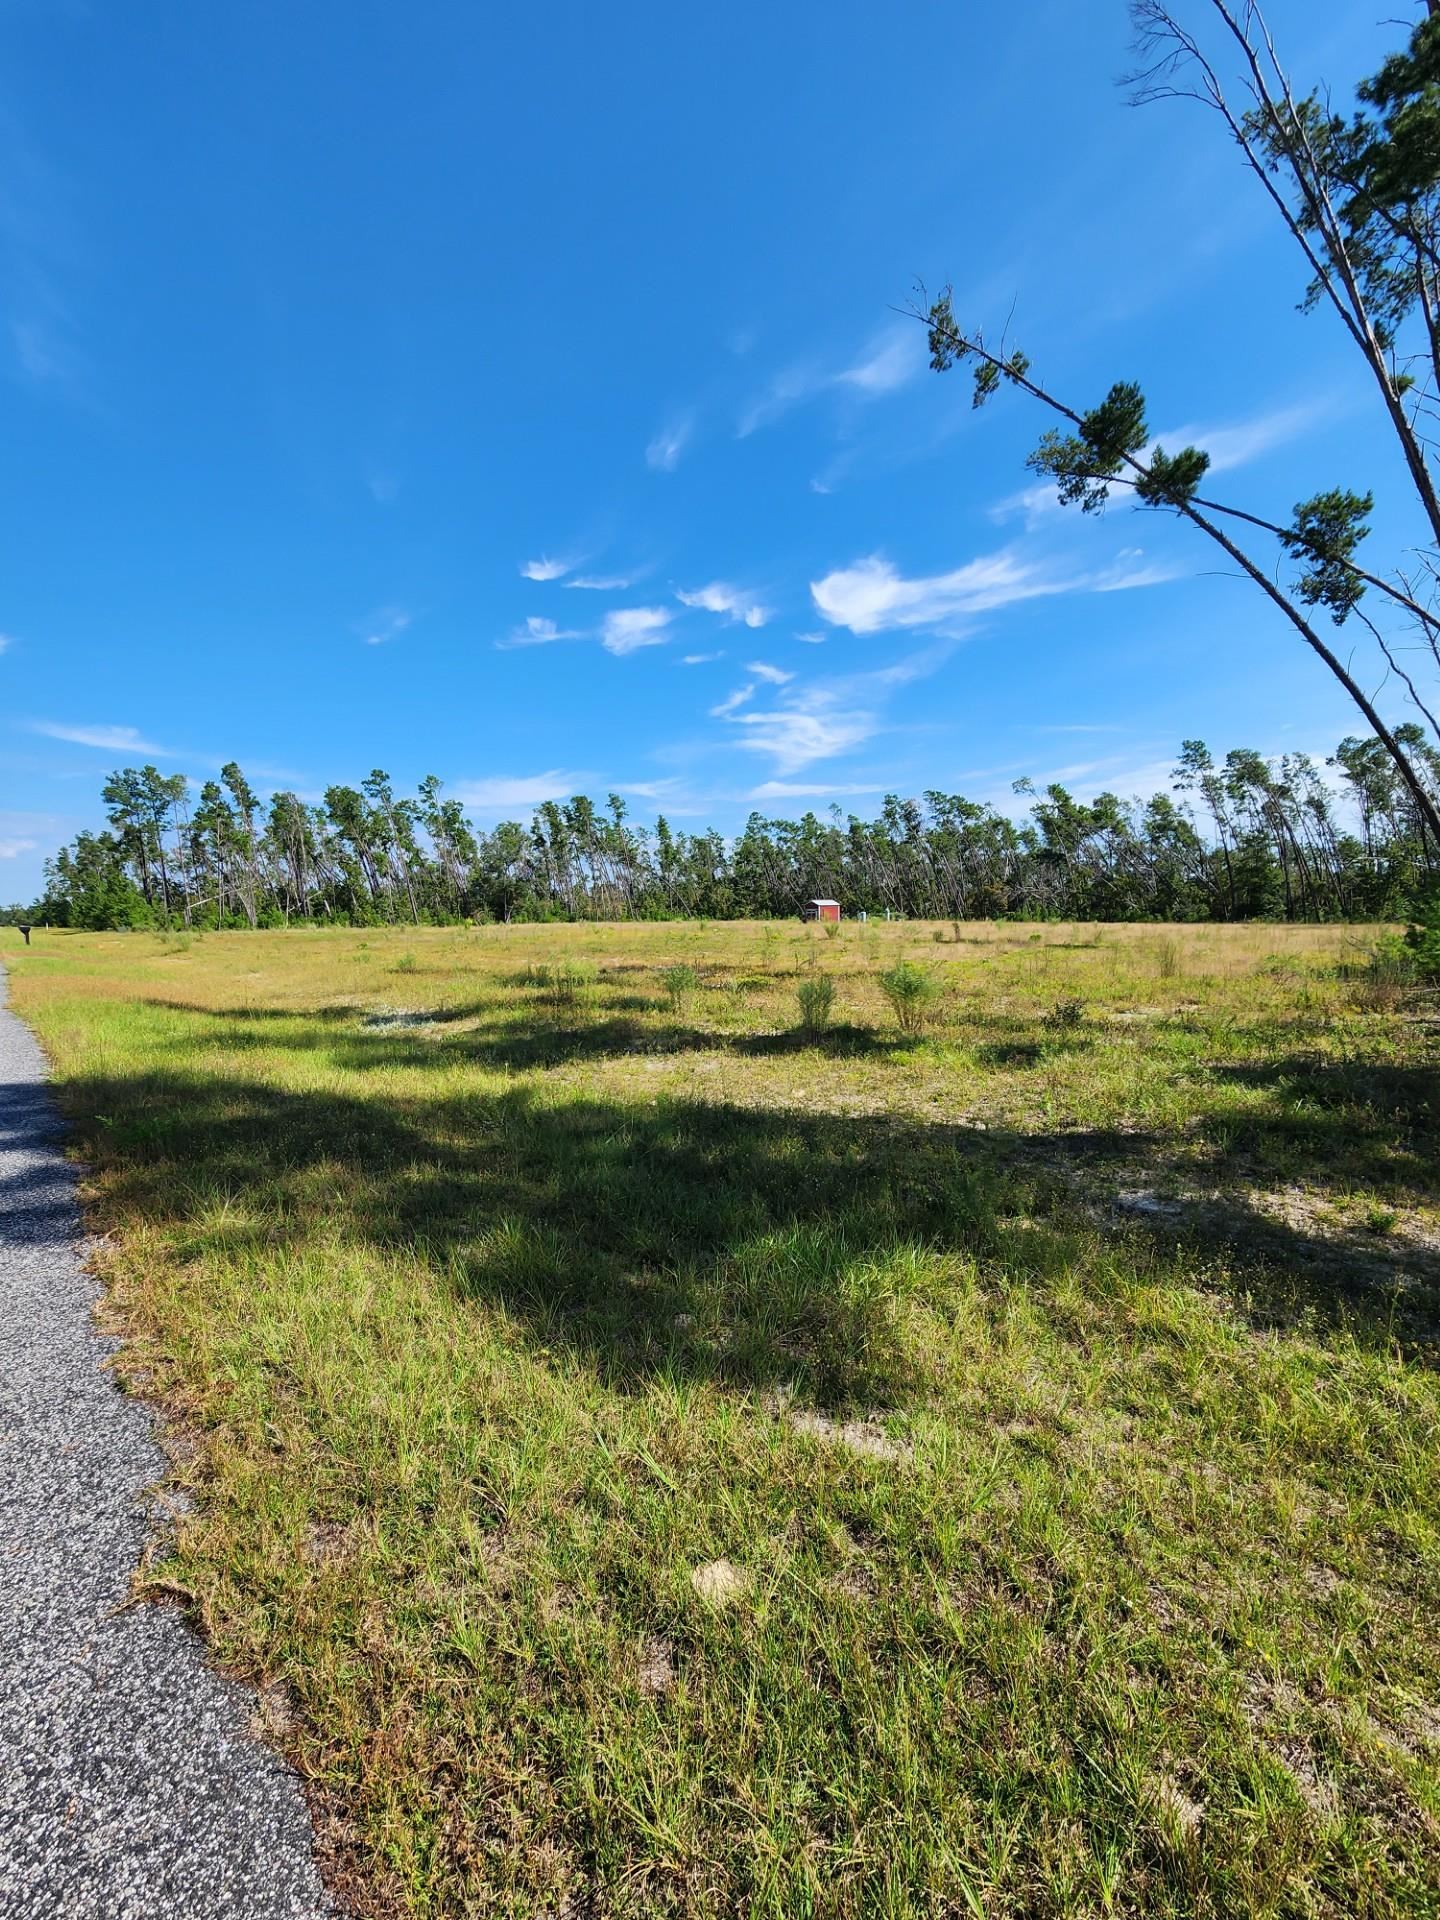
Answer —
(498, 791)
(627, 629)
(665, 448)
(796, 736)
(108, 739)
(871, 596)
(732, 602)
(537, 631)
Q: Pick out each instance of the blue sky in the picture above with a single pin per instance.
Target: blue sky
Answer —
(515, 394)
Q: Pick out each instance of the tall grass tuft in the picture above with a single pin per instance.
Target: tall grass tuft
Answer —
(680, 984)
(566, 986)
(817, 1003)
(912, 993)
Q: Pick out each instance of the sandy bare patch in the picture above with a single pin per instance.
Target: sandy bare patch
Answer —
(1181, 1815)
(860, 1436)
(719, 1582)
(1148, 1204)
(274, 1716)
(325, 1541)
(656, 1671)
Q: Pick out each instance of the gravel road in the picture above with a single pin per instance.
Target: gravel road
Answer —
(130, 1788)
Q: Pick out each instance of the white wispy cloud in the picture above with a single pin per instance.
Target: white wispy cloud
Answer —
(783, 391)
(890, 361)
(700, 659)
(669, 442)
(1232, 444)
(518, 790)
(41, 250)
(44, 353)
(806, 790)
(812, 639)
(602, 582)
(811, 723)
(385, 624)
(873, 597)
(12, 849)
(777, 676)
(545, 568)
(108, 739)
(537, 631)
(796, 736)
(823, 719)
(732, 702)
(1131, 569)
(1032, 504)
(720, 597)
(627, 629)
(648, 789)
(6, 640)
(1235, 443)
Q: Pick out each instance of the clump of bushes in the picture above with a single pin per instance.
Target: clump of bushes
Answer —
(817, 1004)
(680, 984)
(565, 986)
(912, 993)
(1065, 1016)
(1400, 962)
(1422, 943)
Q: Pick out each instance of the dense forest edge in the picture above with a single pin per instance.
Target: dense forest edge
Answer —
(1243, 839)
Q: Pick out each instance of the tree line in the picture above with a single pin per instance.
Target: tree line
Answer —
(1241, 838)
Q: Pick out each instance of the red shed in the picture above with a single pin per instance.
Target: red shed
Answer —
(820, 910)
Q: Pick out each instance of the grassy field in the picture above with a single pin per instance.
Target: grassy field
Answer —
(657, 1464)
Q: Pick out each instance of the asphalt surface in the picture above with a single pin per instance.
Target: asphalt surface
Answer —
(130, 1786)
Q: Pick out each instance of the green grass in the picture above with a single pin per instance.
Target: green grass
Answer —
(1057, 1386)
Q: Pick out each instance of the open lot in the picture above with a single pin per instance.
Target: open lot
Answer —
(658, 1464)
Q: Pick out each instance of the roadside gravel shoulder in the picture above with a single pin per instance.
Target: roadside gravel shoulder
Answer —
(130, 1784)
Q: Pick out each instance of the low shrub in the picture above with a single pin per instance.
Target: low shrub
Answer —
(911, 992)
(680, 984)
(1065, 1016)
(1422, 943)
(565, 986)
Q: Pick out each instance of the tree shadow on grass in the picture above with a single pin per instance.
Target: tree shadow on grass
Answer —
(532, 1038)
(1372, 1125)
(691, 1237)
